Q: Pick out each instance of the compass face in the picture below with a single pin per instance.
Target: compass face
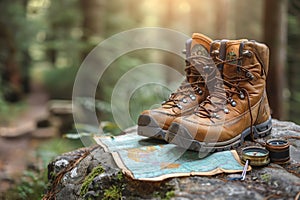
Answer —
(199, 50)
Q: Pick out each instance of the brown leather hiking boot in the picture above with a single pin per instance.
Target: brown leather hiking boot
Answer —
(238, 107)
(153, 123)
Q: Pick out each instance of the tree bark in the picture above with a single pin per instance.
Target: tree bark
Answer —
(275, 36)
(93, 23)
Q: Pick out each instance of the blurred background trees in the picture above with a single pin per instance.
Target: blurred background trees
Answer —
(45, 41)
(293, 60)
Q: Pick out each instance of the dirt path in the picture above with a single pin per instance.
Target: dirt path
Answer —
(17, 144)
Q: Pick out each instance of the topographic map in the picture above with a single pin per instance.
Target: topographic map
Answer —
(149, 159)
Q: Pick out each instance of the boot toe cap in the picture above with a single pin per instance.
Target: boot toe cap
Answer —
(155, 118)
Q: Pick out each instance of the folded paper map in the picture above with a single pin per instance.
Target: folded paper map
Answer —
(154, 160)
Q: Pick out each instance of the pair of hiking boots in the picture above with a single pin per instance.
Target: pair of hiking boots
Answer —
(222, 100)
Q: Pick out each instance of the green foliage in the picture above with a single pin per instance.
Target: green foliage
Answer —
(31, 186)
(293, 65)
(63, 40)
(86, 128)
(88, 103)
(88, 179)
(110, 128)
(120, 176)
(21, 28)
(59, 82)
(266, 178)
(169, 195)
(145, 98)
(63, 20)
(112, 193)
(164, 195)
(114, 72)
(9, 111)
(16, 35)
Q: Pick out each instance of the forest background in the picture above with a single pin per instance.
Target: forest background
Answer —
(45, 41)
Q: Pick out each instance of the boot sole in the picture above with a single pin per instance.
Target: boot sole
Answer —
(147, 126)
(180, 136)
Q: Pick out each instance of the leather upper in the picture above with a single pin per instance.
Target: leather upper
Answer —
(240, 100)
(192, 90)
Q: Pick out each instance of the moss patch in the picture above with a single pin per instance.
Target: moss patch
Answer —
(112, 193)
(169, 195)
(87, 181)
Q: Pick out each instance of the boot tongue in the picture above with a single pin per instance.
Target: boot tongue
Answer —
(230, 69)
(233, 49)
(229, 50)
(200, 45)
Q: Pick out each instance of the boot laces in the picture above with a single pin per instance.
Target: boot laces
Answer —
(224, 90)
(194, 82)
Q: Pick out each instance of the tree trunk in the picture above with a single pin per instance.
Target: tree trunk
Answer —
(169, 59)
(92, 17)
(221, 17)
(93, 27)
(11, 75)
(248, 22)
(293, 69)
(275, 36)
(93, 23)
(26, 60)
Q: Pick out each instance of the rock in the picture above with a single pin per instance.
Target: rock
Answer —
(61, 116)
(68, 192)
(208, 188)
(91, 173)
(44, 133)
(18, 130)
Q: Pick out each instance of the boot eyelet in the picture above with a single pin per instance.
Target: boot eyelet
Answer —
(215, 53)
(242, 96)
(226, 111)
(179, 106)
(200, 91)
(250, 75)
(233, 103)
(215, 115)
(184, 101)
(247, 53)
(192, 97)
